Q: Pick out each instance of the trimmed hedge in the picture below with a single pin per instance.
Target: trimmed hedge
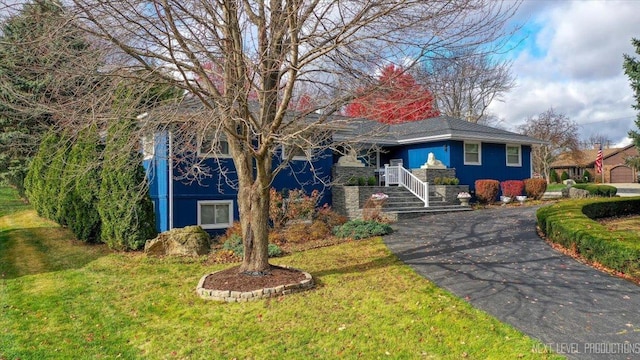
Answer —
(598, 190)
(572, 225)
(512, 188)
(535, 188)
(487, 190)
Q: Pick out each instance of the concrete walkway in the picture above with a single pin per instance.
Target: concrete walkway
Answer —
(495, 260)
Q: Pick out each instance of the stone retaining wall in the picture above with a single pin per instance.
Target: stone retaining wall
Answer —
(449, 193)
(349, 200)
(341, 174)
(429, 175)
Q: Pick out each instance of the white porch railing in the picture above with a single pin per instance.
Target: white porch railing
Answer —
(398, 175)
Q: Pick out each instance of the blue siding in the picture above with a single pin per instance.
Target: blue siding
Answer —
(415, 155)
(158, 175)
(494, 164)
(220, 186)
(300, 174)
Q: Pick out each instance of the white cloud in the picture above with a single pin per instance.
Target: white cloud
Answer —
(574, 64)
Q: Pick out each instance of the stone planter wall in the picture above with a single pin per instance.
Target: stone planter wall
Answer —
(349, 200)
(341, 174)
(449, 193)
(430, 174)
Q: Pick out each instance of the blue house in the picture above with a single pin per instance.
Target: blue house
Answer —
(474, 151)
(211, 201)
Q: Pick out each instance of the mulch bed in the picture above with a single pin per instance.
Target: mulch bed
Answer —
(232, 279)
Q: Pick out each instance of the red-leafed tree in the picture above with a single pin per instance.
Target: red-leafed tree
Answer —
(396, 97)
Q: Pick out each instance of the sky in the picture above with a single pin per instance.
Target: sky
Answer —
(570, 58)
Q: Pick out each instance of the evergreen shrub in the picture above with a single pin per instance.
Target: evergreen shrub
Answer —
(361, 229)
(572, 224)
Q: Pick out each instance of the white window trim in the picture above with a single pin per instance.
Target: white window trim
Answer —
(295, 158)
(464, 151)
(215, 202)
(506, 154)
(148, 147)
(210, 154)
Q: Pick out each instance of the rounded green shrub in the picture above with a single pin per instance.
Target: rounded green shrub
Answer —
(361, 229)
(234, 243)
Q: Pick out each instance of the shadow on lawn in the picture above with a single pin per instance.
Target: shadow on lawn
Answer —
(37, 250)
(377, 263)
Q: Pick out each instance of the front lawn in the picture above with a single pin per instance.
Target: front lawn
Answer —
(555, 187)
(65, 300)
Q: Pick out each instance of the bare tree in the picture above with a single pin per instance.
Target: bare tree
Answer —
(466, 82)
(245, 63)
(594, 141)
(560, 133)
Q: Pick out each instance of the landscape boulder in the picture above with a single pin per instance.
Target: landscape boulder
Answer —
(187, 241)
(578, 193)
(569, 182)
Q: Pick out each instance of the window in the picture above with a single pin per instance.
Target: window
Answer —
(211, 147)
(472, 153)
(514, 157)
(215, 214)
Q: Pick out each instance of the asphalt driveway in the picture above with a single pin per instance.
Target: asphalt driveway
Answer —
(495, 260)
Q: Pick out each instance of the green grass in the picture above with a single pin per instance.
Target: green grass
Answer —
(104, 305)
(555, 187)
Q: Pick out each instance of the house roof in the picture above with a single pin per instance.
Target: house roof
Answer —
(585, 158)
(431, 129)
(434, 129)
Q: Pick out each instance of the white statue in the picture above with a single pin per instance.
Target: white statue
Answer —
(433, 163)
(350, 159)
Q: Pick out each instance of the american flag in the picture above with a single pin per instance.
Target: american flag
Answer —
(599, 161)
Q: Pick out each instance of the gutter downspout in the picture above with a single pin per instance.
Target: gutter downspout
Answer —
(170, 162)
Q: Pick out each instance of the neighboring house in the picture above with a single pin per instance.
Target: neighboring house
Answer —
(614, 168)
(474, 151)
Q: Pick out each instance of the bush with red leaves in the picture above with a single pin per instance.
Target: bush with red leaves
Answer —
(512, 188)
(535, 188)
(487, 190)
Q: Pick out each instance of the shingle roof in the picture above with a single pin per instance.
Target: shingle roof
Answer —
(438, 128)
(585, 158)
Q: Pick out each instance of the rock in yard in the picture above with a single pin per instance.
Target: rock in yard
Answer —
(578, 193)
(187, 241)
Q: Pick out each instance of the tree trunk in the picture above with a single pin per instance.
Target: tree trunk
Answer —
(255, 228)
(253, 203)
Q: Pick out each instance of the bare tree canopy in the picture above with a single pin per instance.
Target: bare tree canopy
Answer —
(560, 133)
(466, 82)
(594, 141)
(246, 62)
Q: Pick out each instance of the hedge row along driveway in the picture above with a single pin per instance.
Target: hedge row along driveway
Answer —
(573, 225)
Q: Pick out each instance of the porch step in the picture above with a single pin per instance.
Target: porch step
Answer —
(413, 212)
(401, 197)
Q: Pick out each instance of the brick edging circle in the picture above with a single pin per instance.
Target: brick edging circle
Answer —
(239, 296)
